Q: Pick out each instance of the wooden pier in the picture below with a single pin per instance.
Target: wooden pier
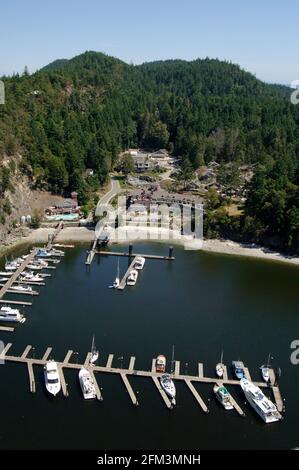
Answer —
(15, 302)
(130, 371)
(162, 393)
(197, 396)
(129, 255)
(54, 235)
(129, 389)
(7, 328)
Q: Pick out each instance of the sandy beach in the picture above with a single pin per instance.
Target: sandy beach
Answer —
(227, 247)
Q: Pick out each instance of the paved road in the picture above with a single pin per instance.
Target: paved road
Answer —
(115, 189)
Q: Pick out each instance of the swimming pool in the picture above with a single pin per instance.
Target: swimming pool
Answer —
(63, 217)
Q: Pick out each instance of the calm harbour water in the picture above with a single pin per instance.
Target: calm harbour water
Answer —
(201, 303)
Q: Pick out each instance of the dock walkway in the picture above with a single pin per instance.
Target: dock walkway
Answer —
(125, 373)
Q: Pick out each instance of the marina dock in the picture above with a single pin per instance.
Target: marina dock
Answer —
(122, 283)
(125, 373)
(14, 277)
(17, 273)
(196, 396)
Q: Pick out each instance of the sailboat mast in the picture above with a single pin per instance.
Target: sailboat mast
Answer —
(172, 359)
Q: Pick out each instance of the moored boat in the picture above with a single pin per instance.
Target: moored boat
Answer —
(160, 363)
(132, 278)
(223, 396)
(8, 314)
(238, 368)
(168, 386)
(139, 263)
(87, 384)
(21, 288)
(52, 378)
(259, 402)
(94, 354)
(220, 367)
(265, 369)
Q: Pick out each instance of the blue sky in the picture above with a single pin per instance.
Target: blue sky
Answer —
(259, 35)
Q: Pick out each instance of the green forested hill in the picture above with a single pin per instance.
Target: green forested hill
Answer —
(80, 113)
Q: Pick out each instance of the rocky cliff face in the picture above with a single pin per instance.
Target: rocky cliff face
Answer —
(18, 199)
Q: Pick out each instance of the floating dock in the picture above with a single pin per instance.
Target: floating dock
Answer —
(122, 283)
(125, 373)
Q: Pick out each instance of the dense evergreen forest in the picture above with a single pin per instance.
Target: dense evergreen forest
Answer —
(80, 113)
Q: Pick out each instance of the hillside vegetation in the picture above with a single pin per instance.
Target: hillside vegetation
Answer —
(80, 113)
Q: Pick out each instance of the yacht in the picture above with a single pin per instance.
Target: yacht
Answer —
(132, 278)
(238, 368)
(168, 386)
(160, 363)
(94, 355)
(52, 379)
(8, 314)
(139, 263)
(223, 396)
(259, 402)
(87, 384)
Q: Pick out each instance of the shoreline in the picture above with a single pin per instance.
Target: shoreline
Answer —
(224, 247)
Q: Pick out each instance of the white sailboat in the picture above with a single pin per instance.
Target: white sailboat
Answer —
(220, 367)
(167, 382)
(265, 369)
(94, 352)
(117, 279)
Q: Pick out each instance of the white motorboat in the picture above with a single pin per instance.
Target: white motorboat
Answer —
(223, 397)
(34, 267)
(11, 265)
(21, 288)
(87, 384)
(43, 253)
(259, 402)
(238, 368)
(168, 386)
(160, 363)
(132, 278)
(52, 378)
(30, 276)
(139, 263)
(5, 273)
(8, 314)
(94, 355)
